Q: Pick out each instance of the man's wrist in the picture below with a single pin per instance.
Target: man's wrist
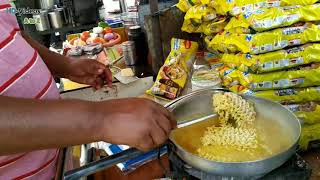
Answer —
(65, 68)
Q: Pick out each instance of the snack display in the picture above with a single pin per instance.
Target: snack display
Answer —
(308, 113)
(293, 95)
(266, 41)
(185, 5)
(309, 133)
(200, 13)
(190, 26)
(301, 77)
(236, 7)
(269, 18)
(214, 27)
(172, 76)
(229, 76)
(202, 19)
(273, 61)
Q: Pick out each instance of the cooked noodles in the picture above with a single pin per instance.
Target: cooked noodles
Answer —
(236, 131)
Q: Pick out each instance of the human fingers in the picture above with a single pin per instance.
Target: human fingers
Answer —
(146, 144)
(159, 136)
(95, 67)
(99, 82)
(167, 113)
(108, 76)
(164, 123)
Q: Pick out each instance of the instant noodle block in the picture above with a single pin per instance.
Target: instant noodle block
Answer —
(309, 133)
(300, 77)
(172, 76)
(308, 113)
(236, 7)
(266, 41)
(270, 18)
(292, 95)
(273, 61)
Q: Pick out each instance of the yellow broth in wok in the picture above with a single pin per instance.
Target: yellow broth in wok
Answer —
(272, 139)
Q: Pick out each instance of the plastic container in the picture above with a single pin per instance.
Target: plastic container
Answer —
(203, 79)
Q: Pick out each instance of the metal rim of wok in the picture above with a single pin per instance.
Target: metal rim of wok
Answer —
(254, 168)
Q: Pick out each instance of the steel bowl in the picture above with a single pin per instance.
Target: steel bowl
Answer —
(199, 103)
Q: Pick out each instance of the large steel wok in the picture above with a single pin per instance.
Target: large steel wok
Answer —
(196, 105)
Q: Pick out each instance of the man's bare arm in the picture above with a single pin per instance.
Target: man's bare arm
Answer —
(27, 125)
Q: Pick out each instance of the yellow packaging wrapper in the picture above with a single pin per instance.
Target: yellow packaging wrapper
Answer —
(273, 61)
(213, 60)
(207, 40)
(173, 75)
(185, 5)
(236, 7)
(200, 13)
(209, 28)
(266, 41)
(301, 77)
(309, 133)
(191, 26)
(271, 18)
(229, 76)
(308, 113)
(292, 95)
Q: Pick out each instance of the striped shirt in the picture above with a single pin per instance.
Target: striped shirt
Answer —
(23, 74)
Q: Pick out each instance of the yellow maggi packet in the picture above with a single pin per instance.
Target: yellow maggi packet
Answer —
(185, 5)
(292, 95)
(308, 113)
(229, 76)
(270, 18)
(236, 7)
(172, 76)
(273, 61)
(299, 77)
(191, 26)
(265, 41)
(309, 133)
(200, 13)
(213, 27)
